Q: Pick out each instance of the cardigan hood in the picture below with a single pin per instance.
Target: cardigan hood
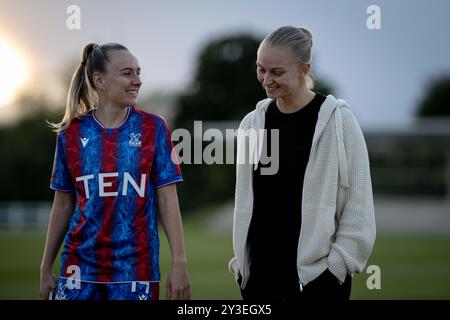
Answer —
(329, 106)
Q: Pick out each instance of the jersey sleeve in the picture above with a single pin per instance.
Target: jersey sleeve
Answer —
(165, 168)
(61, 179)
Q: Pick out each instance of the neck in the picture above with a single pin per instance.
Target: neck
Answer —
(110, 116)
(295, 101)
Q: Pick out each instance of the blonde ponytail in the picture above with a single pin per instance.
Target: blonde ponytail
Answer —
(82, 96)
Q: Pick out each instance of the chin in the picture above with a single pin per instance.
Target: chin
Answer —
(130, 102)
(272, 95)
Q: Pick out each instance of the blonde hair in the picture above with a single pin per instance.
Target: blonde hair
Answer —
(299, 40)
(82, 96)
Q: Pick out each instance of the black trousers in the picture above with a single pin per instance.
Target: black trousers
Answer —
(326, 286)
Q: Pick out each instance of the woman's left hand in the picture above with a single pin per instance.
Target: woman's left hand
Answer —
(177, 285)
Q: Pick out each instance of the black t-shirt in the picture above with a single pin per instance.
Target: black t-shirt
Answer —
(276, 221)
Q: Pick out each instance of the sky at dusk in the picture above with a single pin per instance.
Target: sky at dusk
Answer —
(381, 73)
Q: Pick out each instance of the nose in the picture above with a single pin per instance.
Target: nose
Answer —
(267, 79)
(137, 81)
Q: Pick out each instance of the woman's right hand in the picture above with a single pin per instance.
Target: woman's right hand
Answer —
(48, 284)
(62, 210)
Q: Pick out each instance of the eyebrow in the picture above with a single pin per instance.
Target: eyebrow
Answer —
(275, 68)
(129, 69)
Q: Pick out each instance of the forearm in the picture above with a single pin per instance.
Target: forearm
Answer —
(173, 227)
(62, 210)
(356, 231)
(172, 223)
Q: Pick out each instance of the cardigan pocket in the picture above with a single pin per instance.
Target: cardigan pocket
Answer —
(233, 267)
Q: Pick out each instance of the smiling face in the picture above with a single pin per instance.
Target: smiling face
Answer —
(119, 84)
(278, 71)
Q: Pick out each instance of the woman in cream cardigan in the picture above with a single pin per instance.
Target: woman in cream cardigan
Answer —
(303, 222)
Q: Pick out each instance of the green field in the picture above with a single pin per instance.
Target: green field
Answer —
(412, 267)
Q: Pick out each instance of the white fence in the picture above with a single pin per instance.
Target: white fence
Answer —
(24, 215)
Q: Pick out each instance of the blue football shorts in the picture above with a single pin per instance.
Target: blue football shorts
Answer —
(70, 289)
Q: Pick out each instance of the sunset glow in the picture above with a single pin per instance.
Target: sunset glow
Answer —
(13, 72)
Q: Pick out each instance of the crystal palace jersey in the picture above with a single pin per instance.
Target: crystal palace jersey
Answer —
(113, 233)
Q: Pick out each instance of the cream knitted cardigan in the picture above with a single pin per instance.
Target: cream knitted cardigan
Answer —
(338, 222)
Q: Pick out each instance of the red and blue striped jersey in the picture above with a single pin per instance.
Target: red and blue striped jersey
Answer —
(113, 233)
